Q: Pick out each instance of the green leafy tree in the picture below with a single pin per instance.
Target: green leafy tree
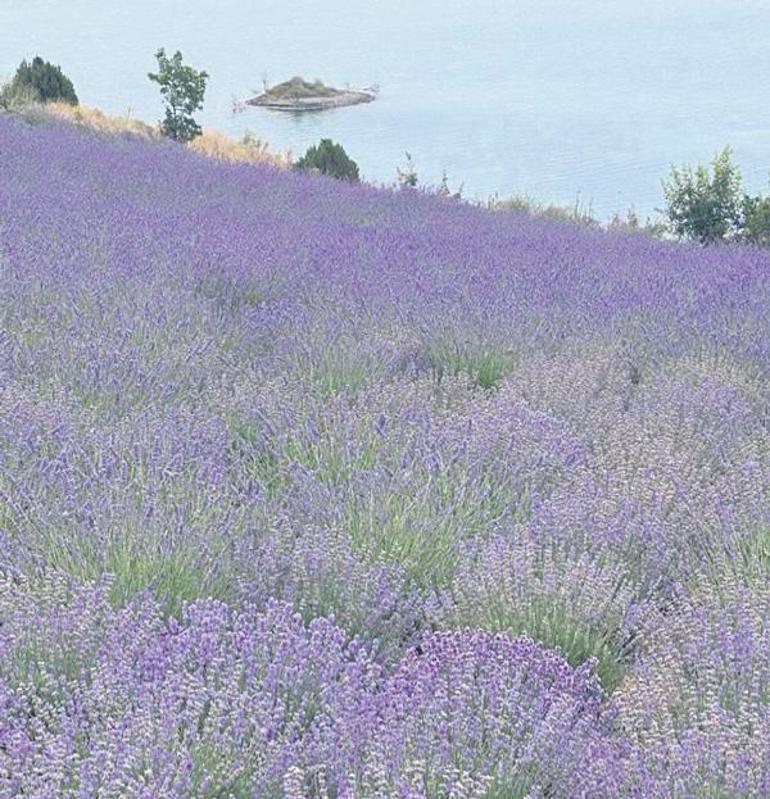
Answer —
(182, 89)
(756, 220)
(38, 81)
(706, 204)
(329, 158)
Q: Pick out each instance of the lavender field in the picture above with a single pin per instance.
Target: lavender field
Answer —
(313, 490)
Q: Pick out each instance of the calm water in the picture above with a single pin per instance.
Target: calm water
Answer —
(588, 98)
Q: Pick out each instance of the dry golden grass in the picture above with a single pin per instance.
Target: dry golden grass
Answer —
(212, 143)
(98, 120)
(218, 145)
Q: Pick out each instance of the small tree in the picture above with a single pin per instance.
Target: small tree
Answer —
(705, 205)
(182, 88)
(38, 82)
(445, 192)
(407, 177)
(329, 158)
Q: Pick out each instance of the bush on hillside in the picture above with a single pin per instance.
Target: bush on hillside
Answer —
(38, 82)
(328, 158)
(14, 96)
(709, 205)
(756, 220)
(705, 204)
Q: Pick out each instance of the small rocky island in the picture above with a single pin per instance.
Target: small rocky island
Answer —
(298, 94)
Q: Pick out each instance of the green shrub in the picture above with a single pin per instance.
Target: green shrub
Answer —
(37, 82)
(710, 205)
(705, 204)
(328, 158)
(14, 96)
(756, 220)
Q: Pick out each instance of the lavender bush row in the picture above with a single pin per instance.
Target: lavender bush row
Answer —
(513, 476)
(111, 702)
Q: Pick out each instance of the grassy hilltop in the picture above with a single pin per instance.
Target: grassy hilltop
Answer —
(309, 489)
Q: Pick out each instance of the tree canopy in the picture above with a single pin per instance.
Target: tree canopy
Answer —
(182, 89)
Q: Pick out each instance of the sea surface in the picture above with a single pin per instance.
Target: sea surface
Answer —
(585, 101)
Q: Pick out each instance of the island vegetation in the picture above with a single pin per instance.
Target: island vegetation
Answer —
(297, 94)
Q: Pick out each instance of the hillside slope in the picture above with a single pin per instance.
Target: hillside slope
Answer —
(309, 489)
